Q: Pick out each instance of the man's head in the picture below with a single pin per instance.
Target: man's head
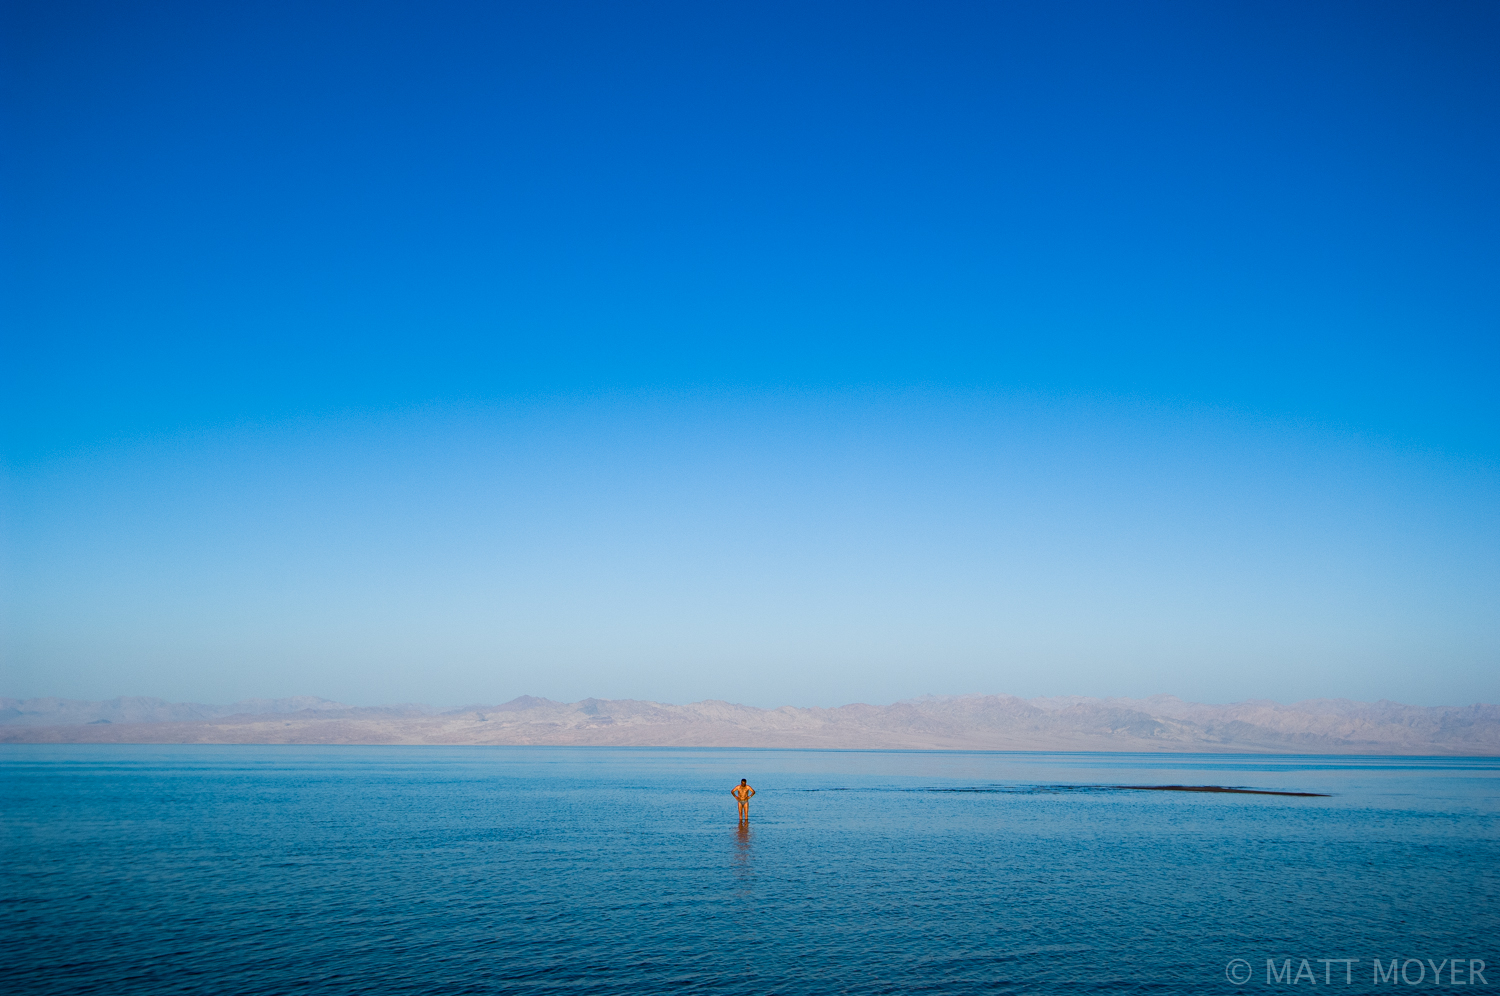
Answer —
(743, 782)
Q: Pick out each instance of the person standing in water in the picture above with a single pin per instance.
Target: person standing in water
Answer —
(742, 793)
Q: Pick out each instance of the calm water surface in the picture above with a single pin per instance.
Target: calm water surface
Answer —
(559, 870)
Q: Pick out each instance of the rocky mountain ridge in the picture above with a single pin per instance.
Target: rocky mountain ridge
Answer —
(1162, 723)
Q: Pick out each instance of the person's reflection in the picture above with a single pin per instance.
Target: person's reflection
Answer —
(742, 867)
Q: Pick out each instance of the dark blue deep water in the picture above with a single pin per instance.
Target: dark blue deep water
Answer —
(587, 870)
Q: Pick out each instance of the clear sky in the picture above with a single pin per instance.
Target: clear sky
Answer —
(781, 353)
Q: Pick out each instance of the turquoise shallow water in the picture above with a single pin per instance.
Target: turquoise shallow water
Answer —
(137, 869)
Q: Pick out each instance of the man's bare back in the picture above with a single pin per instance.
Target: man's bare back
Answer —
(742, 793)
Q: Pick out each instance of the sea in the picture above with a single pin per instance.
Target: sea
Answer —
(559, 870)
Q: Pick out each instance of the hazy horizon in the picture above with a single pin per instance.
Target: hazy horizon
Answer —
(473, 702)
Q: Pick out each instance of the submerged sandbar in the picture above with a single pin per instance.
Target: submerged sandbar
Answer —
(1219, 788)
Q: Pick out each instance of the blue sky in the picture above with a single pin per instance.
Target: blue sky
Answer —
(780, 353)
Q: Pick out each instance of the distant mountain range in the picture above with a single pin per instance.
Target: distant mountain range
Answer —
(969, 722)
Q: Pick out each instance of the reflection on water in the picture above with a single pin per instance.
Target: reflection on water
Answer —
(742, 867)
